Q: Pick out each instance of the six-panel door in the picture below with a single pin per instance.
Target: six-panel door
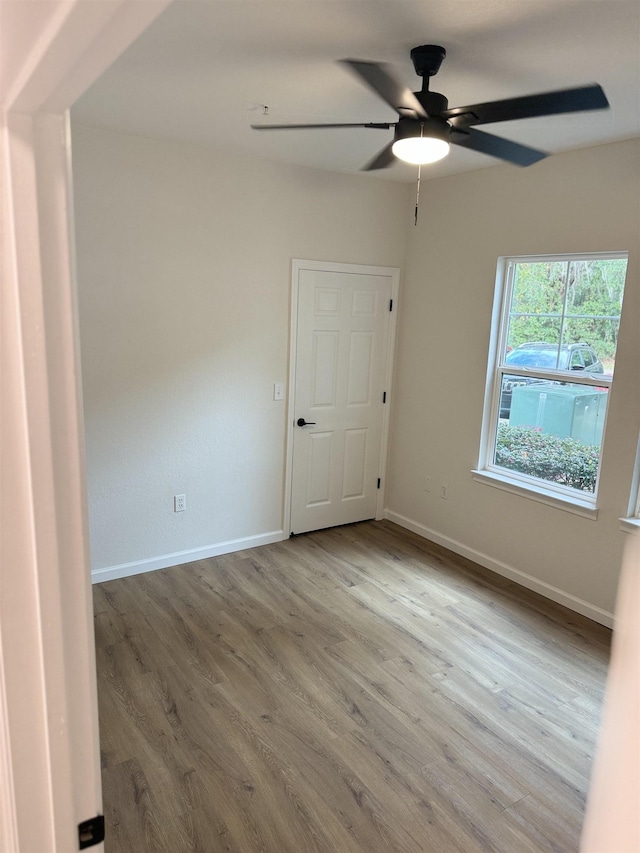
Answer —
(341, 359)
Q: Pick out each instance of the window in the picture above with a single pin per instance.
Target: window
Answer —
(550, 370)
(632, 522)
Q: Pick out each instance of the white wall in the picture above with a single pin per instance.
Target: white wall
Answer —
(184, 277)
(583, 201)
(184, 269)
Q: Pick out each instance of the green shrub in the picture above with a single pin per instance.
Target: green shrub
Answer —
(557, 460)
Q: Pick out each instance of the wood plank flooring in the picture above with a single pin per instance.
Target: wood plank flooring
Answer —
(353, 690)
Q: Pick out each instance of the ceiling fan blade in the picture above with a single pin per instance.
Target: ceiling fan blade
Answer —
(382, 160)
(496, 146)
(382, 125)
(590, 97)
(378, 78)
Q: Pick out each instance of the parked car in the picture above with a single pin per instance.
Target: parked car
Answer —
(578, 356)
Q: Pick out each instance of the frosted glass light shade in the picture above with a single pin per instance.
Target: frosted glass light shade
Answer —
(420, 149)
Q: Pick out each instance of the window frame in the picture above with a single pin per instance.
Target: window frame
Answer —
(632, 521)
(563, 497)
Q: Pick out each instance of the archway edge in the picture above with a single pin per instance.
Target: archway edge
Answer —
(51, 51)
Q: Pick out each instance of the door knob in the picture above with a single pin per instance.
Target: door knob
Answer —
(302, 422)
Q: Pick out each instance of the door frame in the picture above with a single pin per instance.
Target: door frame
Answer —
(354, 269)
(49, 740)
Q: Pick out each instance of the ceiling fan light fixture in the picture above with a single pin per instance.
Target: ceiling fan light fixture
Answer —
(420, 150)
(423, 142)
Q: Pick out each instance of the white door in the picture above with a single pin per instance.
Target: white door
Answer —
(342, 361)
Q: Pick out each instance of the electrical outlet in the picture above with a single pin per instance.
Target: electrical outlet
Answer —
(444, 492)
(427, 484)
(179, 503)
(278, 391)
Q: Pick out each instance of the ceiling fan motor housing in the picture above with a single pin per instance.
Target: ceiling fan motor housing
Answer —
(435, 128)
(433, 103)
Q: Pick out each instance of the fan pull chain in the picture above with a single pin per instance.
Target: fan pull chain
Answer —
(415, 219)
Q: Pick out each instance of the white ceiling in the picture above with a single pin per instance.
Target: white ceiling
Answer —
(206, 68)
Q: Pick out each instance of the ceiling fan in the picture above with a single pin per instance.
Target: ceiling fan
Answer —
(427, 125)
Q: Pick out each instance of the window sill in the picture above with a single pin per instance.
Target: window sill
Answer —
(535, 493)
(630, 525)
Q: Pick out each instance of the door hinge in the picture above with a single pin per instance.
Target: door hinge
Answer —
(379, 481)
(91, 832)
(391, 305)
(384, 396)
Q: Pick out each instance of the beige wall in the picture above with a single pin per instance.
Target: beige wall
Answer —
(184, 268)
(583, 201)
(184, 276)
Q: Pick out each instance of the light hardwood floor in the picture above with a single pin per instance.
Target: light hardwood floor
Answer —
(353, 690)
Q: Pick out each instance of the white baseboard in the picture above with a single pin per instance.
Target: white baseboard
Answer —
(167, 560)
(574, 603)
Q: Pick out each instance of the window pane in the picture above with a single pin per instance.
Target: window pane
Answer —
(579, 335)
(596, 285)
(551, 431)
(594, 302)
(529, 329)
(538, 288)
(538, 354)
(537, 302)
(506, 393)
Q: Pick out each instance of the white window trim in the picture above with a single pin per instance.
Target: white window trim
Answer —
(561, 497)
(529, 487)
(631, 524)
